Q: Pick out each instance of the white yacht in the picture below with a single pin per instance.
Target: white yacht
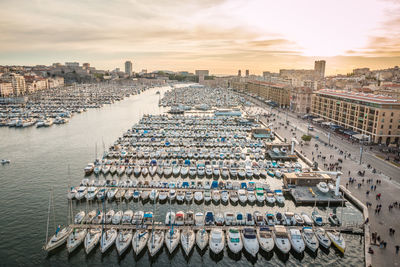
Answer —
(323, 187)
(199, 219)
(198, 196)
(202, 239)
(242, 196)
(265, 238)
(117, 217)
(234, 240)
(187, 240)
(92, 239)
(91, 193)
(123, 241)
(58, 238)
(296, 240)
(310, 239)
(137, 218)
(251, 197)
(322, 237)
(229, 218)
(281, 238)
(155, 242)
(107, 239)
(75, 239)
(337, 240)
(109, 215)
(217, 240)
(81, 192)
(170, 218)
(139, 240)
(172, 239)
(224, 196)
(250, 241)
(79, 217)
(127, 217)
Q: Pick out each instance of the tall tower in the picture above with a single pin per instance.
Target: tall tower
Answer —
(319, 67)
(247, 73)
(239, 73)
(128, 68)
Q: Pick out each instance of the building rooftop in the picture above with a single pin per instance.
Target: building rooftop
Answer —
(372, 98)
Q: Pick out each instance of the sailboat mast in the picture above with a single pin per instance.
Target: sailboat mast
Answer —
(48, 219)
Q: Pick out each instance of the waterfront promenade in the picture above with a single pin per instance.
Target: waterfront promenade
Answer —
(388, 188)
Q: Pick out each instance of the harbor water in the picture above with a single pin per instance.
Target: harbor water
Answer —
(40, 159)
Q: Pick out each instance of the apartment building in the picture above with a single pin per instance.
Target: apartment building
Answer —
(300, 99)
(372, 115)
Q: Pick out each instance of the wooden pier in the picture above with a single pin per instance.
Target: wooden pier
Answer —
(356, 229)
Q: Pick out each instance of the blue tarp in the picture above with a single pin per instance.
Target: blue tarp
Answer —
(187, 162)
(185, 184)
(243, 185)
(214, 184)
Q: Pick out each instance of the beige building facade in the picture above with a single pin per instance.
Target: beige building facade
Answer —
(375, 116)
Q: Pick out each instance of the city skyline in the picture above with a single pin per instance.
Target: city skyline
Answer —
(222, 36)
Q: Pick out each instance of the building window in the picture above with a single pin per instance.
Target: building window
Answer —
(391, 114)
(383, 120)
(391, 120)
(382, 126)
(383, 114)
(390, 132)
(390, 126)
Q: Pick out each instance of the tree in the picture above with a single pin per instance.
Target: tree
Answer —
(306, 138)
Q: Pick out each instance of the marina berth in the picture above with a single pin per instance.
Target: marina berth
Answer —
(281, 239)
(234, 240)
(296, 240)
(107, 239)
(265, 239)
(92, 239)
(155, 242)
(187, 240)
(323, 238)
(202, 239)
(123, 241)
(139, 240)
(75, 239)
(250, 241)
(310, 239)
(172, 239)
(217, 241)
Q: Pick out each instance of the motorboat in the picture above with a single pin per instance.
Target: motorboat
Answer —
(107, 239)
(180, 218)
(240, 219)
(251, 197)
(250, 241)
(81, 192)
(280, 218)
(209, 218)
(318, 220)
(270, 219)
(279, 197)
(233, 196)
(260, 195)
(184, 170)
(224, 196)
(75, 238)
(307, 219)
(153, 195)
(323, 187)
(298, 219)
(229, 218)
(323, 238)
(201, 239)
(207, 196)
(187, 240)
(123, 241)
(91, 193)
(111, 193)
(172, 194)
(92, 239)
(98, 218)
(137, 217)
(337, 240)
(144, 195)
(58, 238)
(170, 218)
(216, 196)
(79, 217)
(172, 239)
(116, 219)
(108, 217)
(289, 218)
(188, 196)
(89, 216)
(296, 240)
(242, 196)
(189, 218)
(71, 193)
(180, 196)
(199, 219)
(217, 240)
(127, 217)
(219, 219)
(249, 219)
(265, 239)
(310, 239)
(148, 218)
(198, 196)
(258, 218)
(139, 240)
(89, 168)
(155, 242)
(234, 240)
(334, 219)
(281, 239)
(270, 198)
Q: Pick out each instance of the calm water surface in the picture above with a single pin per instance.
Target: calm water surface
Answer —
(40, 160)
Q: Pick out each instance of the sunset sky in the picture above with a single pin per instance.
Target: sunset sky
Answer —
(222, 36)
